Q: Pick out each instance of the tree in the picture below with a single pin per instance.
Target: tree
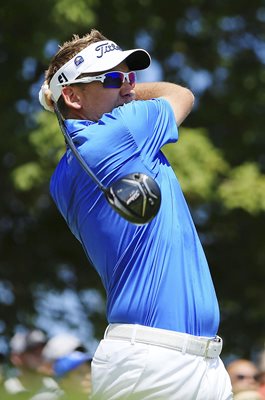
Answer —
(216, 49)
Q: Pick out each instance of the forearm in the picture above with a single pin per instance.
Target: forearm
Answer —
(150, 90)
(181, 99)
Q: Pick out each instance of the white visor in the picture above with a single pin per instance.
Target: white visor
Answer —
(97, 57)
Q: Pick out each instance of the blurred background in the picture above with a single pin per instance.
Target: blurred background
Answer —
(217, 49)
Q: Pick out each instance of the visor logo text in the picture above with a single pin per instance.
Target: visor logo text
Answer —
(104, 48)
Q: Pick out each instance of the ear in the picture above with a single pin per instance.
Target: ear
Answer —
(71, 97)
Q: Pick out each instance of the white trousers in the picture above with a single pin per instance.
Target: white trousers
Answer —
(124, 369)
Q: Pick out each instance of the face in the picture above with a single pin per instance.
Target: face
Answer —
(29, 360)
(92, 100)
(243, 375)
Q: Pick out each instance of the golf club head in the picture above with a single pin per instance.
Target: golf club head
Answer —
(136, 197)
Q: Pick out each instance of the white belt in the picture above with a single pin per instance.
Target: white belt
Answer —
(196, 345)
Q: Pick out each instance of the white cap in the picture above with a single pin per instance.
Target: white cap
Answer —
(60, 346)
(27, 341)
(97, 57)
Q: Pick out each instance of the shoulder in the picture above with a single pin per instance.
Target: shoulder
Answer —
(140, 110)
(136, 105)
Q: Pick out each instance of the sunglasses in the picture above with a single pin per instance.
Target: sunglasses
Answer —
(242, 377)
(110, 80)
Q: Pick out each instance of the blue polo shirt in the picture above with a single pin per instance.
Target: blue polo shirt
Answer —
(156, 274)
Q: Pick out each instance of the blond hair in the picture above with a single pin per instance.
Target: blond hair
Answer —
(69, 49)
(65, 53)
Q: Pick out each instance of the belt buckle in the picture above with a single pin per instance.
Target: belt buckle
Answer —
(213, 351)
(217, 339)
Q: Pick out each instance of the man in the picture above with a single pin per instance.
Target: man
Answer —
(244, 376)
(261, 374)
(161, 304)
(65, 359)
(61, 345)
(248, 395)
(26, 356)
(73, 372)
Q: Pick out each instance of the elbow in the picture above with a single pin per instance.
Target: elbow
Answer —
(187, 104)
(190, 98)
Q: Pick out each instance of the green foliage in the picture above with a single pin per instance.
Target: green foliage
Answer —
(48, 144)
(47, 139)
(205, 176)
(244, 189)
(27, 176)
(197, 163)
(66, 11)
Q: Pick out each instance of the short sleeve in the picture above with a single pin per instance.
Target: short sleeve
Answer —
(151, 123)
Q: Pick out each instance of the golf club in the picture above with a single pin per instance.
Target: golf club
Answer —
(136, 196)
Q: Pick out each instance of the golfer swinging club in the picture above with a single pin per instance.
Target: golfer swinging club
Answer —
(163, 315)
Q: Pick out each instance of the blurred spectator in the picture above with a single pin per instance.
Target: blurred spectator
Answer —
(261, 380)
(66, 359)
(261, 361)
(244, 378)
(74, 374)
(248, 395)
(261, 375)
(26, 357)
(59, 346)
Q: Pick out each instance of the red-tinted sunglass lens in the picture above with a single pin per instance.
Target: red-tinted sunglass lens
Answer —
(132, 78)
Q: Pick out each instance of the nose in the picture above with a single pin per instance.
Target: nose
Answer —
(126, 88)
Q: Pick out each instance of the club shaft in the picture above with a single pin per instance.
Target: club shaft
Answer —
(71, 144)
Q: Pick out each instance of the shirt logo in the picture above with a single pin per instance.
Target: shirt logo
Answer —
(104, 48)
(78, 60)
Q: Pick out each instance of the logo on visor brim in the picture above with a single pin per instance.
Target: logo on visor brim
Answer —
(78, 60)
